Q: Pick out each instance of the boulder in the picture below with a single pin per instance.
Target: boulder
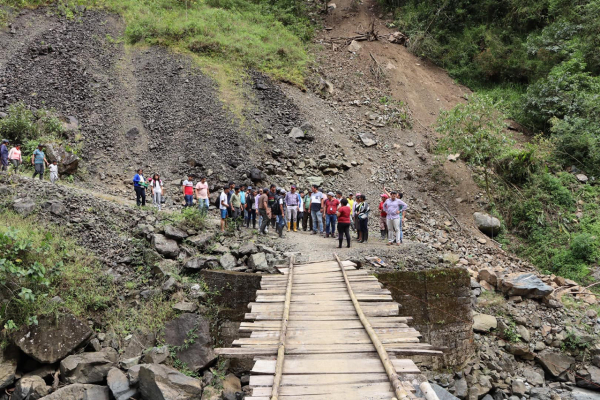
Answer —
(158, 382)
(461, 389)
(200, 262)
(556, 365)
(533, 376)
(296, 133)
(88, 367)
(589, 378)
(119, 386)
(52, 339)
(56, 207)
(367, 139)
(24, 206)
(211, 393)
(173, 232)
(489, 276)
(198, 353)
(156, 355)
(258, 262)
(354, 46)
(520, 350)
(232, 387)
(80, 391)
(133, 374)
(524, 333)
(228, 261)
(441, 393)
(518, 387)
(30, 388)
(67, 161)
(584, 394)
(525, 285)
(246, 249)
(315, 180)
(256, 175)
(165, 268)
(9, 358)
(137, 344)
(185, 306)
(484, 322)
(487, 224)
(166, 247)
(200, 240)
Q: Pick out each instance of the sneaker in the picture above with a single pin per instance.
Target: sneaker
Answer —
(389, 243)
(314, 233)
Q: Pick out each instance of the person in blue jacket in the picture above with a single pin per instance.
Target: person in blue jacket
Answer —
(139, 184)
(4, 155)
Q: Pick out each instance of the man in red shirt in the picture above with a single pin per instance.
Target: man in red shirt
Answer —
(188, 191)
(383, 218)
(331, 206)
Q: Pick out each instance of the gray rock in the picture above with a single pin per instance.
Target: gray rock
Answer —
(584, 394)
(129, 362)
(246, 249)
(596, 360)
(165, 268)
(52, 339)
(557, 365)
(200, 240)
(67, 161)
(590, 378)
(30, 388)
(461, 389)
(56, 207)
(315, 180)
(173, 232)
(232, 387)
(354, 46)
(259, 262)
(198, 263)
(228, 261)
(520, 350)
(524, 332)
(137, 344)
(197, 354)
(256, 175)
(488, 275)
(533, 376)
(133, 374)
(80, 391)
(441, 393)
(525, 285)
(88, 367)
(484, 322)
(185, 306)
(156, 355)
(487, 224)
(296, 133)
(518, 387)
(119, 385)
(166, 247)
(158, 382)
(24, 206)
(9, 358)
(367, 139)
(169, 285)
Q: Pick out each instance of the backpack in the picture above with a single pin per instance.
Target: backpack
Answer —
(275, 209)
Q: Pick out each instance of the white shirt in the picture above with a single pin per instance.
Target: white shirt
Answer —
(223, 200)
(157, 186)
(53, 169)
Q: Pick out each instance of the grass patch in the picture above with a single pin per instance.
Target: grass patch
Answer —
(490, 299)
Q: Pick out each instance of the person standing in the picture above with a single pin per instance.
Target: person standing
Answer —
(38, 160)
(351, 205)
(396, 211)
(14, 157)
(53, 167)
(243, 194)
(202, 194)
(343, 223)
(157, 190)
(271, 194)
(316, 209)
(224, 207)
(362, 212)
(278, 211)
(4, 155)
(251, 207)
(300, 208)
(306, 217)
(292, 201)
(140, 190)
(231, 189)
(188, 191)
(236, 206)
(264, 210)
(383, 217)
(355, 215)
(331, 206)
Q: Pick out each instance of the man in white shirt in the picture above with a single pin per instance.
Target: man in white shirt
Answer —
(316, 209)
(223, 207)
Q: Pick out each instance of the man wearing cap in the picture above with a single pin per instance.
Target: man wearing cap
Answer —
(383, 217)
(38, 160)
(396, 211)
(307, 218)
(4, 155)
(331, 206)
(202, 194)
(316, 209)
(292, 201)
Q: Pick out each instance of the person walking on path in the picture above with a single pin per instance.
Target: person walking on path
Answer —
(38, 160)
(396, 211)
(156, 186)
(343, 223)
(251, 206)
(202, 194)
(278, 211)
(316, 210)
(331, 206)
(187, 187)
(53, 171)
(14, 157)
(236, 206)
(362, 215)
(292, 202)
(224, 207)
(264, 210)
(383, 217)
(4, 155)
(306, 217)
(139, 185)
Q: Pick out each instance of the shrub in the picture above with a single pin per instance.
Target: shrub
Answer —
(24, 125)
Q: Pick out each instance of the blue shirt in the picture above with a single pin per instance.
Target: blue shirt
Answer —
(243, 197)
(38, 156)
(4, 152)
(137, 179)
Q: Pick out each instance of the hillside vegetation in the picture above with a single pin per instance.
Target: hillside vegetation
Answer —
(535, 62)
(268, 36)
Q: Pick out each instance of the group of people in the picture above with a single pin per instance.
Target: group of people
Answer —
(38, 160)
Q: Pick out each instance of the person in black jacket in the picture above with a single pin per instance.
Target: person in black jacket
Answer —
(362, 215)
(251, 207)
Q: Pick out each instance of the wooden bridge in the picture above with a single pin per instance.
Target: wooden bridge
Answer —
(328, 331)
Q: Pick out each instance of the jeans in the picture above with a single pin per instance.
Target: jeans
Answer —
(317, 219)
(331, 221)
(203, 205)
(344, 229)
(156, 199)
(39, 169)
(394, 227)
(15, 164)
(4, 164)
(264, 219)
(189, 200)
(280, 221)
(251, 217)
(140, 196)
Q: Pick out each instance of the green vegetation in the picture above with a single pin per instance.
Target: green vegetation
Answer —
(24, 126)
(266, 35)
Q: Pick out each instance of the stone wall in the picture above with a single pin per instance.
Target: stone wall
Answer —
(440, 304)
